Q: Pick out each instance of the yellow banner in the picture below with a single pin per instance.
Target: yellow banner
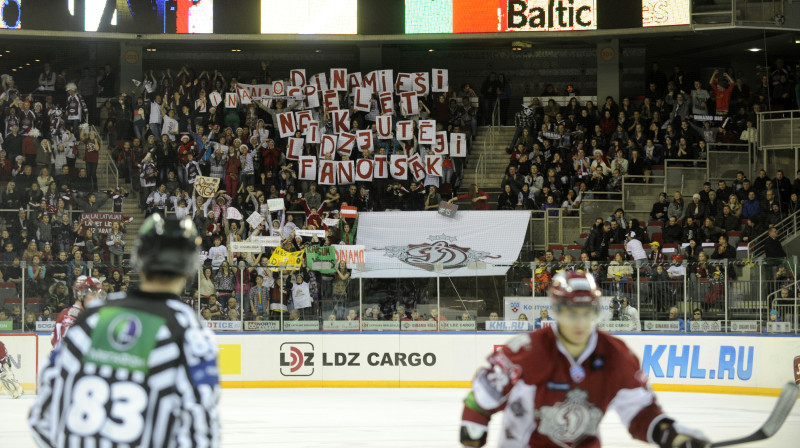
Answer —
(287, 260)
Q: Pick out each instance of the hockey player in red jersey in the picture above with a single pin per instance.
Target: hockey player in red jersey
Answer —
(555, 385)
(7, 379)
(87, 291)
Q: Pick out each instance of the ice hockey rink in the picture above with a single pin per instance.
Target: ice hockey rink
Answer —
(311, 418)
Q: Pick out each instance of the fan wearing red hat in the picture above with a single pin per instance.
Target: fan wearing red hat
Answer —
(676, 270)
(556, 384)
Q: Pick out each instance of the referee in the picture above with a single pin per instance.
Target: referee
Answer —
(138, 371)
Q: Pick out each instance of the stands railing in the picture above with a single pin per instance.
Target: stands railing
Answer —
(779, 139)
(559, 225)
(786, 228)
(742, 13)
(726, 155)
(683, 168)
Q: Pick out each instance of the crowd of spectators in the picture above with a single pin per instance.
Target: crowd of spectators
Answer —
(563, 154)
(166, 132)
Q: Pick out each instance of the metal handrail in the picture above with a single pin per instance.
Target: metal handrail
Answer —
(787, 227)
(111, 169)
(480, 166)
(775, 293)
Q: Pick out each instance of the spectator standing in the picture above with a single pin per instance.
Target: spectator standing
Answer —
(700, 97)
(524, 119)
(723, 95)
(76, 109)
(634, 247)
(504, 96)
(772, 245)
(490, 89)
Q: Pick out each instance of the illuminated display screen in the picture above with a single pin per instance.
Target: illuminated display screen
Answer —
(493, 16)
(309, 16)
(169, 16)
(665, 12)
(11, 14)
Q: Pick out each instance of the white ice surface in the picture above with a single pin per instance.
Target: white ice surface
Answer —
(306, 418)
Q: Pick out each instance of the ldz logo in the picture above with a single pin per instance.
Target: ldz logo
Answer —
(297, 359)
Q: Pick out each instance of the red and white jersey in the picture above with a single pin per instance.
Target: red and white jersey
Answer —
(27, 120)
(76, 107)
(3, 353)
(64, 320)
(551, 399)
(56, 126)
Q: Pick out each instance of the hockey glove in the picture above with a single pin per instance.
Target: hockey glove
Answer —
(473, 435)
(675, 435)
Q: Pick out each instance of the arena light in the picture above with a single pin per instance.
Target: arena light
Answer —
(754, 50)
(431, 50)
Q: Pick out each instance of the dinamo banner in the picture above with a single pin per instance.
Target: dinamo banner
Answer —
(410, 244)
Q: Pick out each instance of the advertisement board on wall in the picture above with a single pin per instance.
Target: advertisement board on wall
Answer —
(665, 12)
(309, 17)
(499, 16)
(165, 16)
(692, 363)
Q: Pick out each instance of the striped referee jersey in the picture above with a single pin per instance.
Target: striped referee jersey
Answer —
(138, 371)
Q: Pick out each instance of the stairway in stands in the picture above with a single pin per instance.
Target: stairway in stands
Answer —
(107, 180)
(495, 160)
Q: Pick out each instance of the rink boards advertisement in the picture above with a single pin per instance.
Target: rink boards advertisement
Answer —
(691, 363)
(729, 364)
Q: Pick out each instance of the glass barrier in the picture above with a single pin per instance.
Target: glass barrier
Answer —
(669, 295)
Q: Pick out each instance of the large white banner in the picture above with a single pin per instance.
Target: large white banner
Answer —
(409, 244)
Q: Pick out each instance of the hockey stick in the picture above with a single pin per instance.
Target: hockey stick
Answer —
(782, 408)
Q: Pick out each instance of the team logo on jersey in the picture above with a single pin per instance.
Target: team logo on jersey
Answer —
(124, 331)
(440, 250)
(568, 422)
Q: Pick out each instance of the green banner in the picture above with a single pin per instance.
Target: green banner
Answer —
(123, 338)
(321, 258)
(6, 325)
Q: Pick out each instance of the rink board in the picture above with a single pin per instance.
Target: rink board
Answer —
(756, 365)
(22, 356)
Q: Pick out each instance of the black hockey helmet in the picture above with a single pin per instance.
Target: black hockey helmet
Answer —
(167, 246)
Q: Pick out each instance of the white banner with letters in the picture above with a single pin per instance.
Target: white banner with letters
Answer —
(409, 244)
